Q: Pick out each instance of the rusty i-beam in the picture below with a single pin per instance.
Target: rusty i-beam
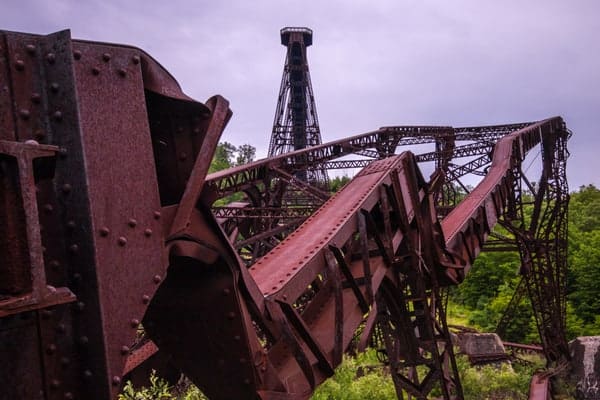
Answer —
(107, 225)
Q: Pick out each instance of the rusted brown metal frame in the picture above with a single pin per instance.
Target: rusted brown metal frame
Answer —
(546, 281)
(304, 332)
(38, 294)
(542, 246)
(424, 265)
(467, 150)
(262, 212)
(314, 192)
(390, 142)
(549, 266)
(344, 164)
(236, 179)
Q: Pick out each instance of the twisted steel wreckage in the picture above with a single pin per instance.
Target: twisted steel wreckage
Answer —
(109, 222)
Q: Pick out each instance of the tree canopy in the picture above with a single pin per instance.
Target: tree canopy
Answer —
(490, 284)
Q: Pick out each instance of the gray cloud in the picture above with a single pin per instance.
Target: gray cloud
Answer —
(373, 63)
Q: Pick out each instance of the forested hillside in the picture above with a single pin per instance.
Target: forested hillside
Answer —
(482, 298)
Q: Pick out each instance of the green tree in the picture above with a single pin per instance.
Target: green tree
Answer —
(223, 157)
(584, 254)
(227, 155)
(245, 154)
(338, 182)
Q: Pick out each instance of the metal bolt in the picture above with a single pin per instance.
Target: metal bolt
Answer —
(80, 305)
(30, 49)
(24, 113)
(135, 59)
(66, 188)
(182, 156)
(54, 264)
(116, 380)
(65, 361)
(54, 87)
(122, 241)
(145, 299)
(50, 57)
(156, 214)
(132, 222)
(148, 232)
(226, 292)
(74, 248)
(122, 72)
(77, 277)
(69, 396)
(77, 55)
(87, 374)
(104, 231)
(20, 65)
(71, 224)
(36, 98)
(135, 323)
(51, 349)
(157, 278)
(58, 116)
(106, 57)
(95, 71)
(84, 340)
(124, 350)
(54, 383)
(48, 208)
(231, 315)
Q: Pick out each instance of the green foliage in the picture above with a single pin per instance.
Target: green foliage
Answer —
(192, 393)
(338, 182)
(496, 382)
(489, 272)
(223, 157)
(346, 385)
(225, 154)
(159, 390)
(360, 378)
(490, 284)
(584, 259)
(584, 209)
(245, 155)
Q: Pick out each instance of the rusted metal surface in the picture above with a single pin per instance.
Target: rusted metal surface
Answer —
(539, 389)
(99, 208)
(109, 223)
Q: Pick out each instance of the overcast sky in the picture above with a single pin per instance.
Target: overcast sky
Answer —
(373, 63)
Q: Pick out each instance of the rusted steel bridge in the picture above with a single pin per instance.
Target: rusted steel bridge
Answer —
(108, 223)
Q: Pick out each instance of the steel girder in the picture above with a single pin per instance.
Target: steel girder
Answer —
(98, 240)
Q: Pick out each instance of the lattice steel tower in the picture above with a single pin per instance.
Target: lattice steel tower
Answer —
(296, 125)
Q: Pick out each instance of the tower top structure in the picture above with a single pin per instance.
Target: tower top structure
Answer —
(296, 125)
(289, 34)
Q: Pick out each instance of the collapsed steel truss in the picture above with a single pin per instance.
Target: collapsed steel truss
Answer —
(110, 223)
